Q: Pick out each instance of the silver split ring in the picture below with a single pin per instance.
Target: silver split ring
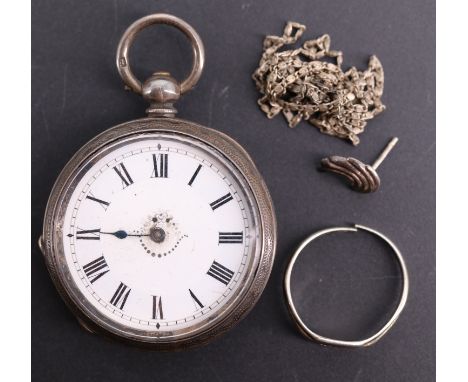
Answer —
(308, 333)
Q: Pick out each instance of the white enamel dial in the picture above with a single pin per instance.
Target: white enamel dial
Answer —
(160, 233)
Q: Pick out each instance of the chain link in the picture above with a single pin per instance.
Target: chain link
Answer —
(303, 84)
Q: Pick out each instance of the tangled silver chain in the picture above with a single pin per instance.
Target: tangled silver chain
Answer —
(302, 84)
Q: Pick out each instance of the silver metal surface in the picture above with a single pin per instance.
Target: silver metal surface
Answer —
(123, 63)
(162, 91)
(258, 270)
(308, 83)
(310, 334)
(362, 177)
(385, 152)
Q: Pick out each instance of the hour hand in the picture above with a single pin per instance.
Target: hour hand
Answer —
(121, 234)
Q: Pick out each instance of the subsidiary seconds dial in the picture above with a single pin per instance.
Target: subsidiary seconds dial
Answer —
(159, 233)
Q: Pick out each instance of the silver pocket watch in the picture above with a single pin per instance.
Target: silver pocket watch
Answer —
(159, 231)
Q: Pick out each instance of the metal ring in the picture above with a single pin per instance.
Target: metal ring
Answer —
(330, 341)
(123, 63)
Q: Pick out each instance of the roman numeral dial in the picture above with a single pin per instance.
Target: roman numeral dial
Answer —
(195, 174)
(230, 238)
(88, 234)
(221, 201)
(102, 203)
(157, 308)
(95, 269)
(161, 233)
(220, 273)
(120, 296)
(195, 299)
(123, 174)
(160, 164)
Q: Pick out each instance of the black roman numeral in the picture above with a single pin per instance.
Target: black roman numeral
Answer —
(160, 165)
(157, 308)
(96, 269)
(195, 299)
(123, 174)
(220, 273)
(102, 203)
(192, 179)
(88, 234)
(120, 296)
(231, 237)
(222, 200)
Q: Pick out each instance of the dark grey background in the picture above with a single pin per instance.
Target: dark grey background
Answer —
(345, 285)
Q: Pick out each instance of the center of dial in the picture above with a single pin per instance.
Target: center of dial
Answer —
(164, 235)
(157, 234)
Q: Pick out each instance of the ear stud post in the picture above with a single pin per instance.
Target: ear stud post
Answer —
(362, 177)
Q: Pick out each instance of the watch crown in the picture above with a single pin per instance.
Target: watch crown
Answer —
(162, 91)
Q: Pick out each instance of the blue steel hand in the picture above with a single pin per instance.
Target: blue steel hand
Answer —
(121, 234)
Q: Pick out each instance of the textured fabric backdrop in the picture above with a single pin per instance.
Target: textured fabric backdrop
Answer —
(345, 285)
